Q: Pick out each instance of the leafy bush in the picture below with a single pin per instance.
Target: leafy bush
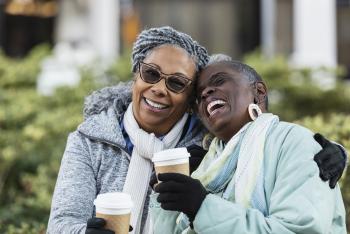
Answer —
(33, 131)
(295, 93)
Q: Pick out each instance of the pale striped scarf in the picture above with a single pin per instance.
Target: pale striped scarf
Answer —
(140, 168)
(236, 169)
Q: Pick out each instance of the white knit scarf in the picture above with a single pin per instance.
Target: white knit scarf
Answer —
(140, 168)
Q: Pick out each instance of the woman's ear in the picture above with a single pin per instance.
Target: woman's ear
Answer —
(260, 95)
(260, 92)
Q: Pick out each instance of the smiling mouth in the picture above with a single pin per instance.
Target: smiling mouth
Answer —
(156, 105)
(214, 106)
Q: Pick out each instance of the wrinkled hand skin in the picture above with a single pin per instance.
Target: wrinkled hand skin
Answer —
(331, 160)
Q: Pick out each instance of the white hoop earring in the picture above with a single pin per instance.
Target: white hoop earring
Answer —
(254, 111)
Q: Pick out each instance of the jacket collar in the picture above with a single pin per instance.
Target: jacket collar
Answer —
(102, 111)
(103, 127)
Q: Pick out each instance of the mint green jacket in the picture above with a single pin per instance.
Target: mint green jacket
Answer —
(298, 200)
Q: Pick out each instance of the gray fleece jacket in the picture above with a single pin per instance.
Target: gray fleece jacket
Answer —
(96, 161)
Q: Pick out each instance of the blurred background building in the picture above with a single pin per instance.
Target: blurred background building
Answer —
(308, 32)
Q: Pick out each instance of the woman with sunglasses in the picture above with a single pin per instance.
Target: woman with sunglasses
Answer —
(111, 150)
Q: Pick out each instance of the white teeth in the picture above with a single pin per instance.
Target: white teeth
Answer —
(212, 104)
(154, 104)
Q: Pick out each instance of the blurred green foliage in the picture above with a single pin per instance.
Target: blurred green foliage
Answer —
(295, 93)
(34, 128)
(33, 133)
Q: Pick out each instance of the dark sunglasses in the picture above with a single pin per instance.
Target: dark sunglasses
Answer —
(151, 74)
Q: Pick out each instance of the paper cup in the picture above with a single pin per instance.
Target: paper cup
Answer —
(172, 160)
(115, 208)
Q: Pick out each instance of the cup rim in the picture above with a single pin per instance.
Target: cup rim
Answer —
(171, 154)
(113, 200)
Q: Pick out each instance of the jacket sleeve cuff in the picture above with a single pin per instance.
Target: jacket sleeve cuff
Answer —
(153, 200)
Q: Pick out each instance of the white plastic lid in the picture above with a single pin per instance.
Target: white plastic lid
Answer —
(113, 203)
(170, 154)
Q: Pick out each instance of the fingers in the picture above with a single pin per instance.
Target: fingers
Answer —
(96, 222)
(335, 172)
(333, 181)
(96, 226)
(321, 140)
(323, 175)
(174, 206)
(173, 177)
(153, 180)
(329, 152)
(332, 173)
(170, 186)
(167, 197)
(98, 231)
(330, 161)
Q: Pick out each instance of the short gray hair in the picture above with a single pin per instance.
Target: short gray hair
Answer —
(215, 58)
(155, 37)
(249, 72)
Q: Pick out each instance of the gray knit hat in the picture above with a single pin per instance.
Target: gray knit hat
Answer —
(154, 37)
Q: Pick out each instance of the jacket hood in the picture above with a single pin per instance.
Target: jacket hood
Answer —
(102, 112)
(118, 97)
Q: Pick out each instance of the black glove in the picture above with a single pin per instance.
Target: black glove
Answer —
(197, 154)
(331, 160)
(179, 192)
(153, 180)
(96, 226)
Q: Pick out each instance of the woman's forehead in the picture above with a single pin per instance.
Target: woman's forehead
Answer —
(217, 69)
(172, 59)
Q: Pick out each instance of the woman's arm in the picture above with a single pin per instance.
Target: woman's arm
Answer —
(72, 202)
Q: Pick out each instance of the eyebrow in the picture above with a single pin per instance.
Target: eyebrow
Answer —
(176, 73)
(219, 74)
(213, 77)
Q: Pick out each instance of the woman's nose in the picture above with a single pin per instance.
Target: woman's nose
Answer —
(159, 88)
(206, 92)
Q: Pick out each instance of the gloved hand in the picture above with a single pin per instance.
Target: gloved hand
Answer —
(197, 154)
(153, 180)
(96, 226)
(331, 160)
(182, 193)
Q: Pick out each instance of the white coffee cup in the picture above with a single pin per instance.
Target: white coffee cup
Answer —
(115, 208)
(172, 160)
